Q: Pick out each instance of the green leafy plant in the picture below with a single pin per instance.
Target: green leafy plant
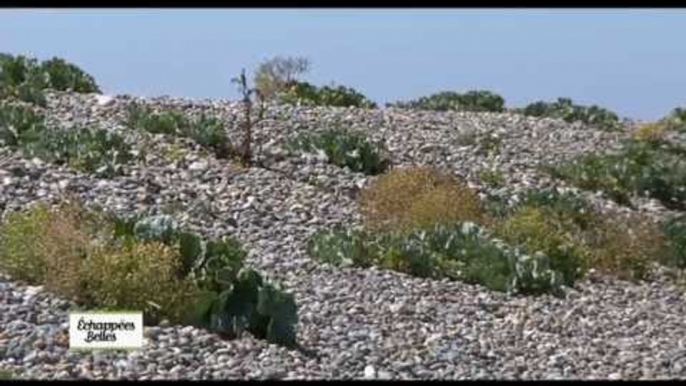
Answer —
(345, 149)
(230, 298)
(207, 132)
(493, 178)
(675, 251)
(643, 168)
(21, 237)
(25, 78)
(19, 124)
(64, 76)
(564, 108)
(338, 96)
(86, 149)
(21, 78)
(341, 247)
(475, 100)
(541, 231)
(150, 263)
(459, 251)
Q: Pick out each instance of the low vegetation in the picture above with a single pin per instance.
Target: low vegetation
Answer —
(545, 241)
(564, 108)
(476, 100)
(148, 263)
(306, 94)
(86, 149)
(208, 132)
(641, 168)
(344, 148)
(408, 198)
(25, 78)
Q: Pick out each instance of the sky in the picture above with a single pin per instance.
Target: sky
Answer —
(631, 61)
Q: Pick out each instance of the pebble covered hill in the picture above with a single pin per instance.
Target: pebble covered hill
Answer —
(361, 323)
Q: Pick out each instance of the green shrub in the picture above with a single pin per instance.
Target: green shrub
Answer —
(456, 251)
(345, 149)
(22, 78)
(565, 109)
(64, 76)
(205, 131)
(408, 198)
(138, 276)
(25, 78)
(227, 297)
(626, 246)
(640, 168)
(341, 247)
(147, 263)
(493, 178)
(676, 120)
(85, 149)
(542, 231)
(21, 240)
(476, 100)
(19, 124)
(563, 204)
(337, 96)
(675, 232)
(246, 302)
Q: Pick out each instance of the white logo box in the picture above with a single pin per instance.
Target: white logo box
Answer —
(105, 330)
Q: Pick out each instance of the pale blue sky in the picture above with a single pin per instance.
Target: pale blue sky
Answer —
(632, 61)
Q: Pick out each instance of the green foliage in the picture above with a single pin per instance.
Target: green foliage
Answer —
(147, 263)
(22, 78)
(207, 132)
(339, 96)
(21, 236)
(229, 298)
(25, 78)
(246, 302)
(89, 150)
(340, 247)
(475, 100)
(640, 168)
(138, 275)
(675, 232)
(564, 204)
(493, 178)
(64, 76)
(458, 252)
(565, 109)
(542, 231)
(6, 375)
(19, 125)
(676, 120)
(345, 149)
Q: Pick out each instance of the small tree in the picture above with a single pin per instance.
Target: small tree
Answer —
(278, 74)
(250, 96)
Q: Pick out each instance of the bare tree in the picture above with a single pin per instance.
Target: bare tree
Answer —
(277, 74)
(251, 96)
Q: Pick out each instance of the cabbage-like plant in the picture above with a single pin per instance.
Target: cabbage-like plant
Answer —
(345, 149)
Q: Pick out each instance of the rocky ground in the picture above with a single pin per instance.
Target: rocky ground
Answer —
(359, 323)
